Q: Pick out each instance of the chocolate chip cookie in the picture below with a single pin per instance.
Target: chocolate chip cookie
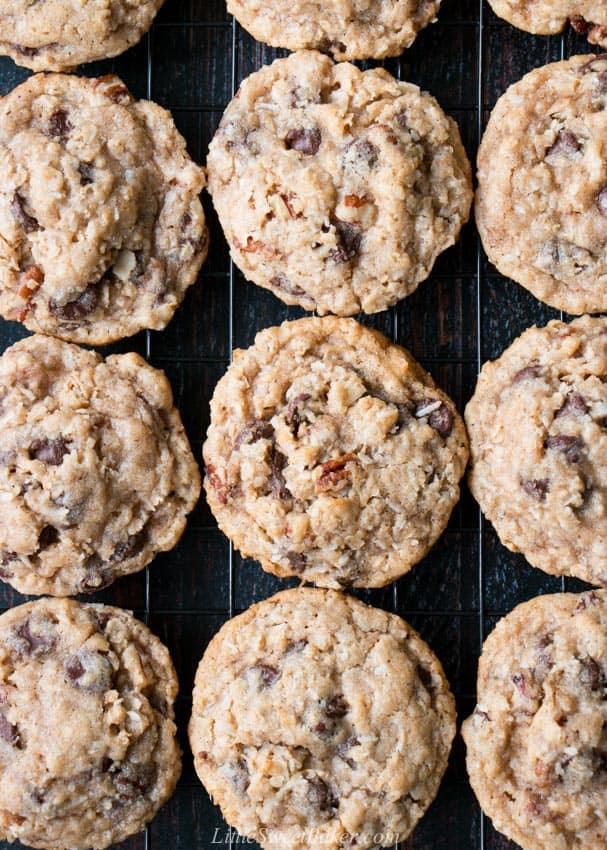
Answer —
(541, 207)
(547, 17)
(337, 188)
(537, 741)
(332, 455)
(96, 473)
(57, 35)
(318, 721)
(87, 739)
(538, 438)
(346, 30)
(101, 226)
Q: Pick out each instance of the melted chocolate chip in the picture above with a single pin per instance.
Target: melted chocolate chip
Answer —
(131, 547)
(329, 45)
(74, 669)
(304, 141)
(26, 51)
(591, 675)
(238, 773)
(278, 485)
(336, 706)
(565, 143)
(343, 749)
(27, 221)
(50, 452)
(320, 795)
(86, 170)
(574, 405)
(77, 309)
(132, 780)
(297, 560)
(441, 418)
(365, 152)
(48, 537)
(292, 417)
(30, 642)
(269, 675)
(97, 575)
(601, 201)
(425, 677)
(533, 370)
(349, 240)
(254, 431)
(9, 733)
(537, 488)
(59, 125)
(571, 447)
(285, 285)
(89, 671)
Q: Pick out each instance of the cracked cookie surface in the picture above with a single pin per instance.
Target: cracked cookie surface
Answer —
(320, 721)
(88, 749)
(96, 472)
(356, 29)
(101, 227)
(538, 440)
(537, 740)
(541, 205)
(57, 35)
(331, 454)
(336, 188)
(548, 17)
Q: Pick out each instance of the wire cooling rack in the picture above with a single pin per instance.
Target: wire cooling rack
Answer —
(192, 62)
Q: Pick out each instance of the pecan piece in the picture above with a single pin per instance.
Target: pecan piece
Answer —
(333, 473)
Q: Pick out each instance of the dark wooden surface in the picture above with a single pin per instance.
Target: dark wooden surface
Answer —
(466, 313)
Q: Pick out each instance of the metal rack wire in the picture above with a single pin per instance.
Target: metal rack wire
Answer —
(192, 62)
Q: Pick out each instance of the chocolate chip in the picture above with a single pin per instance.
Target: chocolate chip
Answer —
(304, 141)
(285, 285)
(440, 418)
(536, 487)
(343, 749)
(329, 45)
(579, 24)
(297, 560)
(90, 671)
(48, 537)
(278, 485)
(574, 405)
(586, 600)
(133, 780)
(297, 645)
(591, 675)
(59, 125)
(292, 417)
(26, 51)
(86, 170)
(601, 201)
(27, 221)
(566, 143)
(349, 240)
(50, 452)
(402, 119)
(364, 152)
(269, 675)
(31, 643)
(238, 774)
(97, 575)
(571, 447)
(79, 308)
(335, 706)
(9, 733)
(254, 431)
(320, 795)
(425, 677)
(533, 370)
(131, 547)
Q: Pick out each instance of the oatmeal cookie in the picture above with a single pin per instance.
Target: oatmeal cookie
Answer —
(321, 722)
(96, 472)
(548, 17)
(337, 188)
(101, 227)
(332, 455)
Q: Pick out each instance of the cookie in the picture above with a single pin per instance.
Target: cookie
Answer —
(101, 227)
(541, 206)
(548, 17)
(332, 455)
(96, 472)
(537, 741)
(318, 721)
(57, 35)
(87, 740)
(538, 440)
(337, 188)
(346, 30)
